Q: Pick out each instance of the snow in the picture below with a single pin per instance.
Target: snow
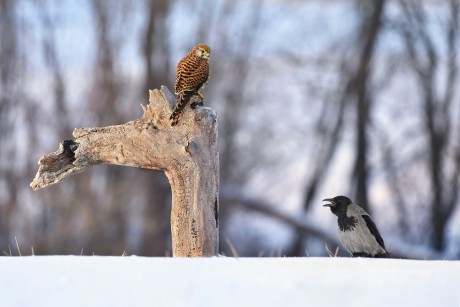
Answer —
(142, 281)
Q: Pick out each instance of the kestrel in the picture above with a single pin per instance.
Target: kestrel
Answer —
(191, 74)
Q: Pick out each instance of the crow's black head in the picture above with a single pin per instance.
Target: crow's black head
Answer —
(338, 203)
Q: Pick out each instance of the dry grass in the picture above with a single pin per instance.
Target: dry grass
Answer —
(232, 248)
(332, 254)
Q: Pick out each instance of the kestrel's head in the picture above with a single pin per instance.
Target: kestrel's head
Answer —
(202, 51)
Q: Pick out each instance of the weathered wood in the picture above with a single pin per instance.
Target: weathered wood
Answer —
(187, 153)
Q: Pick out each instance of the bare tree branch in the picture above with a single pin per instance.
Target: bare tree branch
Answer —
(235, 196)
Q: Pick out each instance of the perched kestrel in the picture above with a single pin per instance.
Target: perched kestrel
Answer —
(192, 73)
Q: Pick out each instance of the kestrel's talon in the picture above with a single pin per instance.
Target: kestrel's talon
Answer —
(191, 74)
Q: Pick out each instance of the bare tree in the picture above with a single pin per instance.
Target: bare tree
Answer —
(360, 88)
(437, 105)
(9, 77)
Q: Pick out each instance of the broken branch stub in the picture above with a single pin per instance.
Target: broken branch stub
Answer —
(187, 153)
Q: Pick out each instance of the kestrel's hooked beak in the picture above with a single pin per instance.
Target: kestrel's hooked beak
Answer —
(331, 204)
(206, 55)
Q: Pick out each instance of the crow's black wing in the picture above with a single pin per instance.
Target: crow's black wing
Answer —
(373, 229)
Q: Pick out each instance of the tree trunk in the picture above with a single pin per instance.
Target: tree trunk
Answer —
(371, 28)
(187, 153)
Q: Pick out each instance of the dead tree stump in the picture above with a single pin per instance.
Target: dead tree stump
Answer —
(187, 153)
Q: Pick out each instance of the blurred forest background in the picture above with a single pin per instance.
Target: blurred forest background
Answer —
(315, 99)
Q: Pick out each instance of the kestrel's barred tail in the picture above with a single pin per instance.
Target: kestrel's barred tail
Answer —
(175, 115)
(192, 72)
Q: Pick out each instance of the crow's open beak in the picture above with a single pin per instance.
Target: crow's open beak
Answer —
(331, 204)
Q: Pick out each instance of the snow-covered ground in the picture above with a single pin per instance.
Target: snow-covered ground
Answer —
(140, 281)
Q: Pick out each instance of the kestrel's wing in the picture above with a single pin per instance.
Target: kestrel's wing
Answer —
(201, 74)
(194, 79)
(178, 87)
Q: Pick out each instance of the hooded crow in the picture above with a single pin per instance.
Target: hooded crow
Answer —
(357, 232)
